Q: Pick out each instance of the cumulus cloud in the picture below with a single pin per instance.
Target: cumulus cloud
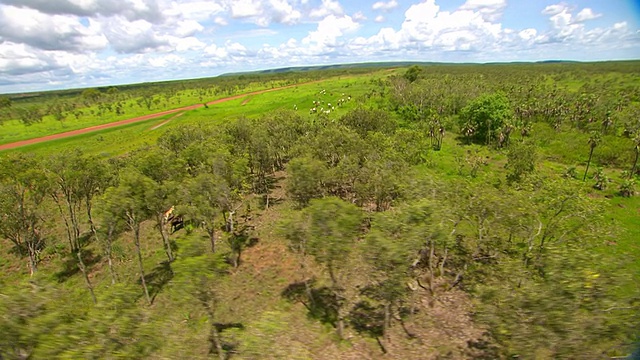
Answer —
(134, 37)
(130, 9)
(198, 10)
(58, 32)
(586, 14)
(327, 7)
(386, 6)
(554, 9)
(379, 19)
(359, 16)
(20, 59)
(330, 29)
(490, 10)
(263, 12)
(166, 60)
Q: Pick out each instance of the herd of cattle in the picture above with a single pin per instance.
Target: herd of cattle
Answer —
(319, 106)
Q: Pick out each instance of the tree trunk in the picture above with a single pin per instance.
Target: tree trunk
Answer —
(635, 165)
(588, 163)
(387, 323)
(215, 337)
(340, 326)
(230, 224)
(212, 239)
(90, 217)
(33, 263)
(165, 237)
(75, 227)
(108, 249)
(83, 269)
(226, 222)
(266, 191)
(72, 245)
(136, 235)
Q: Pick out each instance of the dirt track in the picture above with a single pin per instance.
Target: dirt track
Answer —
(16, 144)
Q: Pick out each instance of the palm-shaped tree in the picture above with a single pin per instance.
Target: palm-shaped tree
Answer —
(594, 140)
(636, 148)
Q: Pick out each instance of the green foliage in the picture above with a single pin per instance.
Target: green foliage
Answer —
(567, 310)
(333, 225)
(521, 161)
(306, 178)
(602, 180)
(485, 116)
(628, 187)
(413, 73)
(364, 121)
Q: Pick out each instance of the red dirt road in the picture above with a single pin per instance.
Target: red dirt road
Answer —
(129, 121)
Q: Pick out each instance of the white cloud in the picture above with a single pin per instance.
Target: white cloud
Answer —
(148, 10)
(386, 6)
(586, 14)
(166, 60)
(47, 32)
(186, 28)
(379, 19)
(215, 51)
(330, 29)
(328, 7)
(528, 34)
(359, 16)
(19, 59)
(491, 10)
(245, 8)
(226, 53)
(134, 37)
(554, 9)
(219, 20)
(196, 10)
(265, 12)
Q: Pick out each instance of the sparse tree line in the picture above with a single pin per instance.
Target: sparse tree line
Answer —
(373, 222)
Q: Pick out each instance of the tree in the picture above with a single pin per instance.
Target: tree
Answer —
(521, 161)
(306, 178)
(203, 197)
(413, 73)
(602, 180)
(390, 252)
(165, 171)
(5, 102)
(636, 150)
(112, 226)
(91, 95)
(66, 172)
(329, 228)
(5, 108)
(23, 188)
(29, 115)
(363, 121)
(127, 201)
(594, 141)
(486, 115)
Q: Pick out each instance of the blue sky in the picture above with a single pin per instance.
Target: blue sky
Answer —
(47, 44)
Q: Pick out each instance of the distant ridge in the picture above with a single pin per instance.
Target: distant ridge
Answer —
(334, 66)
(383, 64)
(557, 61)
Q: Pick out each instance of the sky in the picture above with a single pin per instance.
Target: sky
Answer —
(60, 44)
